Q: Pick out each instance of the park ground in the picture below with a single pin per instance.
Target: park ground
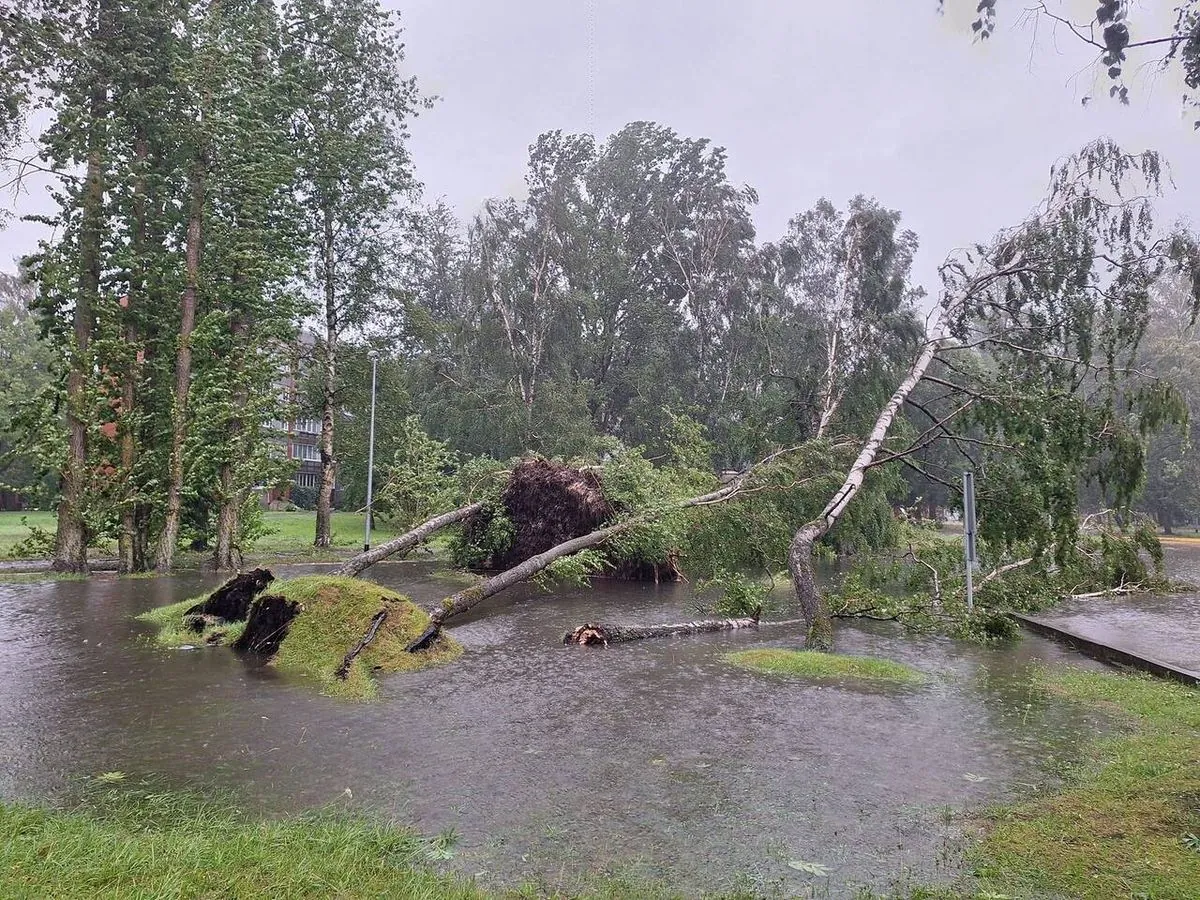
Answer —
(290, 533)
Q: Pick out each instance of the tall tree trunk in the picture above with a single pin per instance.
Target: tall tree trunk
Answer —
(324, 536)
(70, 541)
(819, 623)
(230, 513)
(183, 367)
(127, 549)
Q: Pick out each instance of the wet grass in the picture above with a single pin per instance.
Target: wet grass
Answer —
(171, 633)
(13, 530)
(143, 845)
(137, 844)
(809, 664)
(1126, 823)
(336, 614)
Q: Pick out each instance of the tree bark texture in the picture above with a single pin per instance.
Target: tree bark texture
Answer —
(324, 535)
(594, 634)
(356, 565)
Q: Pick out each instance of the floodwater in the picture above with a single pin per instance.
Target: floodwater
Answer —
(653, 759)
(1165, 627)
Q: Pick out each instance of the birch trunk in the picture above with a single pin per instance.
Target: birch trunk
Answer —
(819, 624)
(356, 565)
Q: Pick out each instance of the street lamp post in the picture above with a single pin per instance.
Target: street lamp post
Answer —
(374, 356)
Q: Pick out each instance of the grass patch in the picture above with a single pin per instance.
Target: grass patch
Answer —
(1122, 826)
(336, 613)
(143, 845)
(809, 664)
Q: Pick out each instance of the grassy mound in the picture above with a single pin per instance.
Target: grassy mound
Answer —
(1128, 823)
(808, 664)
(163, 845)
(335, 613)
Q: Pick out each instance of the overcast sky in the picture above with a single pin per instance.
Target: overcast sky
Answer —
(881, 97)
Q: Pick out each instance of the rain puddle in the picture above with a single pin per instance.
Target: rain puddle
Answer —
(653, 759)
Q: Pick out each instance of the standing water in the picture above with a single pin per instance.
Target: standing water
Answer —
(653, 759)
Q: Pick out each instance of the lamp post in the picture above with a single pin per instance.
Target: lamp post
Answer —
(374, 356)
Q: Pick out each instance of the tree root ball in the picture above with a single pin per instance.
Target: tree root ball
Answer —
(231, 601)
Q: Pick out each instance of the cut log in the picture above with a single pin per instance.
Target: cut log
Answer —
(343, 670)
(594, 634)
(231, 601)
(356, 565)
(267, 625)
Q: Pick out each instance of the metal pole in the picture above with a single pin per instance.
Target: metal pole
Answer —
(969, 534)
(374, 354)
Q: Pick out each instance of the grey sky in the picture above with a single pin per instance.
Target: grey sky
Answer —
(880, 97)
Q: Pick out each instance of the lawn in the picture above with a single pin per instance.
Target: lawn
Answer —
(290, 531)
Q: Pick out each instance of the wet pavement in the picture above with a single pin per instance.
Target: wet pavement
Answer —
(657, 758)
(1165, 628)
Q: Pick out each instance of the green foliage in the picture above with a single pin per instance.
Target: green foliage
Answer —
(492, 534)
(575, 570)
(421, 480)
(737, 594)
(38, 543)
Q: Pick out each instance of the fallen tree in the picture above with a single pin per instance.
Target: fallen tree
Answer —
(594, 634)
(464, 600)
(356, 565)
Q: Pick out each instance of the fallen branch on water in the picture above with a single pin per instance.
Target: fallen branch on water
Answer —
(343, 670)
(594, 634)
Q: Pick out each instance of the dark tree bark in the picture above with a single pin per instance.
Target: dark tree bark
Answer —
(267, 625)
(343, 670)
(324, 536)
(356, 565)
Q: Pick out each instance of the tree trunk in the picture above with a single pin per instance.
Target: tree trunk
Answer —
(819, 624)
(592, 635)
(324, 536)
(356, 565)
(229, 515)
(127, 543)
(183, 368)
(70, 542)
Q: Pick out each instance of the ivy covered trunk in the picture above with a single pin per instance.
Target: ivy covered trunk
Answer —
(183, 369)
(70, 542)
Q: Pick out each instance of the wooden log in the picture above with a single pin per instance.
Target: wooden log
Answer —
(593, 634)
(343, 670)
(356, 565)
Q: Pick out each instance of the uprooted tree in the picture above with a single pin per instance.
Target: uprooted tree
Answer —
(1027, 371)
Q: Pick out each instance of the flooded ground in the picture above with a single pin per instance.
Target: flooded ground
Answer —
(1165, 628)
(655, 759)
